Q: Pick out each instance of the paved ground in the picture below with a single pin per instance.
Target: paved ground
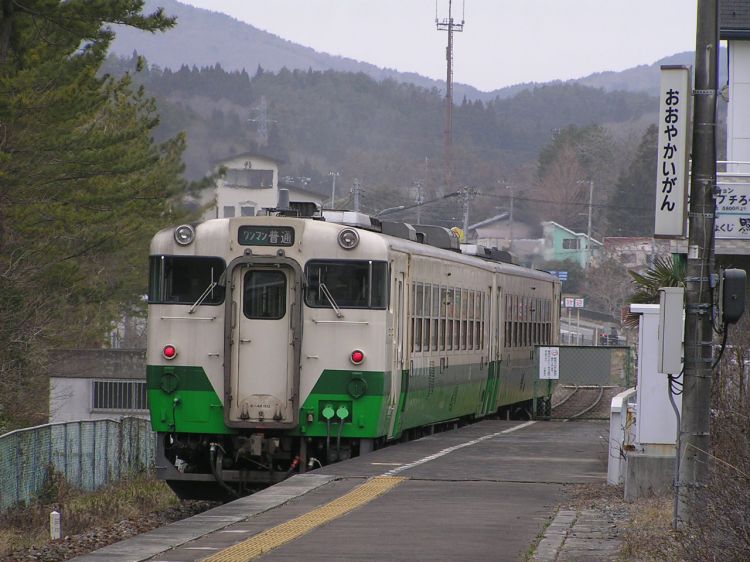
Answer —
(489, 491)
(579, 536)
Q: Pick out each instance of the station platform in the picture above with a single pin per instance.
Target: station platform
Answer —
(486, 491)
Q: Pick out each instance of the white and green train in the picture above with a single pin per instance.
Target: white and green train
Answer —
(282, 341)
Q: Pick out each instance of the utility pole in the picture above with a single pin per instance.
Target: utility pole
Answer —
(467, 194)
(450, 26)
(419, 200)
(333, 175)
(695, 440)
(356, 191)
(588, 230)
(510, 234)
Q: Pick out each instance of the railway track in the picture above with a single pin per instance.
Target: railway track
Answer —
(583, 401)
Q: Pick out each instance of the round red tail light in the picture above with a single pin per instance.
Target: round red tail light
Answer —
(169, 352)
(357, 357)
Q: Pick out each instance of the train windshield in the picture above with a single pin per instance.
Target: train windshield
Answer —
(347, 284)
(185, 280)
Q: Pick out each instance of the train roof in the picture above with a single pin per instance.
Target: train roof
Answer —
(432, 240)
(426, 240)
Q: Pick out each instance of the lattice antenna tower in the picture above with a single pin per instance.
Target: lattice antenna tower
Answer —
(450, 26)
(262, 120)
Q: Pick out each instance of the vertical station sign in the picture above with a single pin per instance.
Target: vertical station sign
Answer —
(675, 97)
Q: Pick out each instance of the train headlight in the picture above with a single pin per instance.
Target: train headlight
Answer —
(184, 234)
(169, 352)
(348, 239)
(357, 357)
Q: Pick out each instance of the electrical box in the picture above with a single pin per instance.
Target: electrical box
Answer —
(671, 327)
(732, 295)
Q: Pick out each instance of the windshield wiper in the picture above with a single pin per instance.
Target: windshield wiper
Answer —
(329, 297)
(203, 296)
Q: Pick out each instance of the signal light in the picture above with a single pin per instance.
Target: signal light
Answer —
(357, 357)
(169, 352)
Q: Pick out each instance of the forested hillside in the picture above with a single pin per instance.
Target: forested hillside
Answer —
(385, 133)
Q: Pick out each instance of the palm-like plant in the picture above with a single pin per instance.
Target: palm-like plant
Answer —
(664, 272)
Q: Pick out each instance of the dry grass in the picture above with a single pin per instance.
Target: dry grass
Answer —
(644, 526)
(28, 527)
(649, 535)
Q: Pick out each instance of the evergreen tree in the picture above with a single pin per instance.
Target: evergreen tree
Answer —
(632, 205)
(83, 187)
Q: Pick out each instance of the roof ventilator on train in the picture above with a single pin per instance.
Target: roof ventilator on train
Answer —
(437, 236)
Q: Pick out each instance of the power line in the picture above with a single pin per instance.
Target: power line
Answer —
(581, 204)
(423, 203)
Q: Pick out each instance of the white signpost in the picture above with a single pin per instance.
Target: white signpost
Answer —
(549, 363)
(672, 159)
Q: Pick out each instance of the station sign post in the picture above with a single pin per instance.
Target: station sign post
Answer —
(672, 158)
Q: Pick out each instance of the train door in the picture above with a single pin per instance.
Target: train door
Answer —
(263, 374)
(398, 345)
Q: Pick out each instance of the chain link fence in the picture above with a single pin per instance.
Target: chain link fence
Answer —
(589, 377)
(88, 454)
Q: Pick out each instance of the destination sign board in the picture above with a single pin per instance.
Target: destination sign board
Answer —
(252, 235)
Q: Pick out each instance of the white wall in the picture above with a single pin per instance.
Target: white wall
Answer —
(70, 400)
(657, 423)
(738, 112)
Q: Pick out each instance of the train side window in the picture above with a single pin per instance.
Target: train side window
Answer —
(264, 295)
(470, 322)
(483, 319)
(435, 316)
(508, 322)
(449, 319)
(519, 326)
(418, 295)
(443, 316)
(464, 316)
(457, 320)
(426, 319)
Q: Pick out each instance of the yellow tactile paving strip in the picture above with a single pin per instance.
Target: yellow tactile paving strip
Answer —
(295, 528)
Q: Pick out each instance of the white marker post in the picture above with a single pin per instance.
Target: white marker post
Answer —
(55, 528)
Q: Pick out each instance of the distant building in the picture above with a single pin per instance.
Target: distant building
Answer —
(635, 252)
(250, 184)
(500, 230)
(88, 384)
(562, 244)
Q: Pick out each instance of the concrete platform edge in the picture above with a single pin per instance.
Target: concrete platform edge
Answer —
(554, 536)
(147, 545)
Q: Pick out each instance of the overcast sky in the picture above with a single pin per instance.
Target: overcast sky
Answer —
(504, 42)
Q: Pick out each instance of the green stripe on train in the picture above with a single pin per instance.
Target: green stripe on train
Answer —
(359, 396)
(182, 399)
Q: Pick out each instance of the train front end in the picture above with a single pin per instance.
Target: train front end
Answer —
(263, 336)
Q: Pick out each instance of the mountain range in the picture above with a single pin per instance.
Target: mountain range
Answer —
(236, 45)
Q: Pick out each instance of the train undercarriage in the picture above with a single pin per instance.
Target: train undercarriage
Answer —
(229, 466)
(224, 467)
